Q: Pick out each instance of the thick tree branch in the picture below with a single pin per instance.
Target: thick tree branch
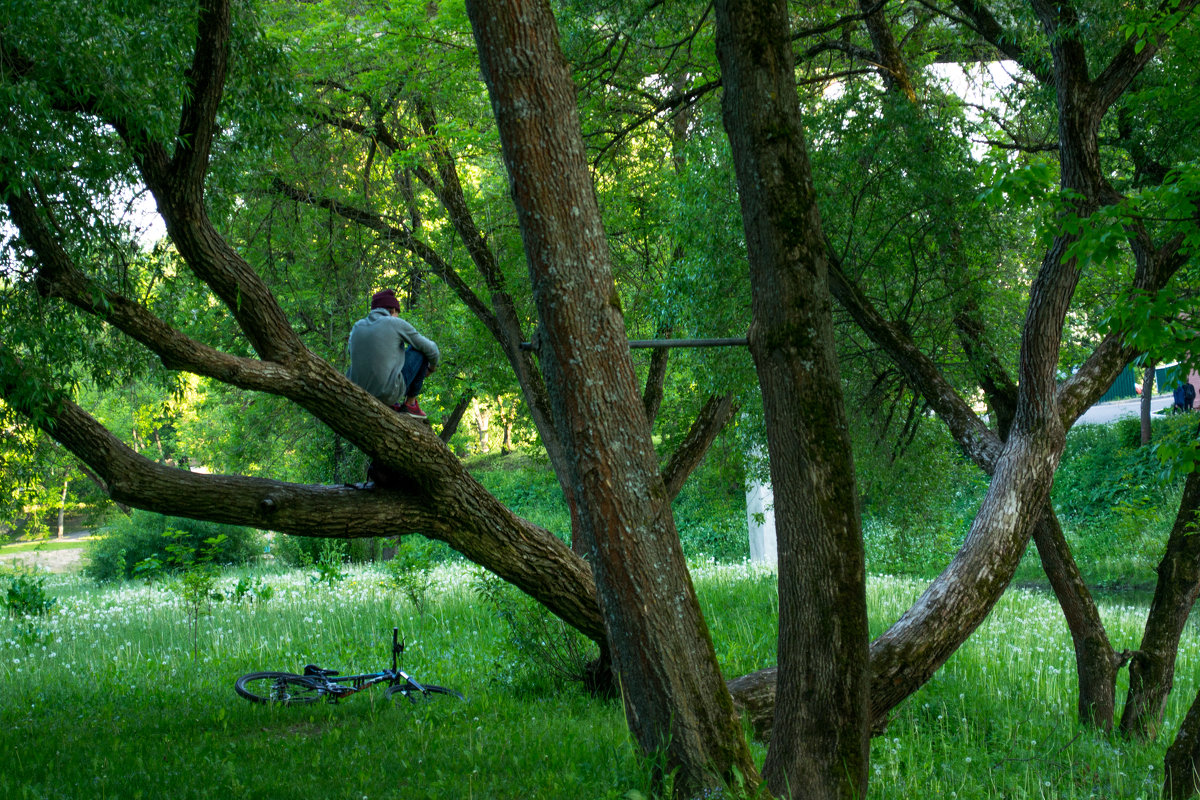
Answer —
(979, 443)
(59, 277)
(444, 501)
(712, 419)
(205, 81)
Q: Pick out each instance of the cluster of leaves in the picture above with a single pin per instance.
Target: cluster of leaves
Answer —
(410, 570)
(26, 601)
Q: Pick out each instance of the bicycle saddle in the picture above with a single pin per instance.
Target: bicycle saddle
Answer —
(313, 669)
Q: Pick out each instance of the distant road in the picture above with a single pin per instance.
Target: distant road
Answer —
(1109, 412)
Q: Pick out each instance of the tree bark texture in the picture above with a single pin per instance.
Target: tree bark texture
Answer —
(675, 699)
(1152, 669)
(820, 742)
(1181, 765)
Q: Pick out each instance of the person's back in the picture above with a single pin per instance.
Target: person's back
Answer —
(377, 355)
(1183, 397)
(379, 361)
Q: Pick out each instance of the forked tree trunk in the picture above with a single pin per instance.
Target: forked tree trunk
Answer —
(820, 744)
(675, 698)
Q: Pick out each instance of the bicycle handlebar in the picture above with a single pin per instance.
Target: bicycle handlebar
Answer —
(397, 646)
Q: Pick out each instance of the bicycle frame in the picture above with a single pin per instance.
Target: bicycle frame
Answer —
(317, 683)
(334, 686)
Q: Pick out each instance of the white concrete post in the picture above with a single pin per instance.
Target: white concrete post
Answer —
(760, 522)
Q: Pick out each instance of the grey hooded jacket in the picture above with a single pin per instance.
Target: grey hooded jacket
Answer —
(377, 354)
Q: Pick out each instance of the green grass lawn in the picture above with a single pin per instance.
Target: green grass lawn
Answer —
(47, 544)
(106, 700)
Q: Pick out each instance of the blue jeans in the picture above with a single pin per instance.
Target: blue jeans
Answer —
(413, 372)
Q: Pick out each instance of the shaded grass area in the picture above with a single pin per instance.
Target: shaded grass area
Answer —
(110, 704)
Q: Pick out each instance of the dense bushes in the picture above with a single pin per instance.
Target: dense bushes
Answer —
(121, 546)
(710, 511)
(1116, 499)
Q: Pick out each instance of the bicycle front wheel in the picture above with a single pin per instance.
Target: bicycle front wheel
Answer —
(417, 697)
(284, 688)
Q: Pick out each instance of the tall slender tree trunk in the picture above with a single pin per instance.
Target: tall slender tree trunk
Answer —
(819, 745)
(675, 698)
(1095, 661)
(62, 502)
(1147, 396)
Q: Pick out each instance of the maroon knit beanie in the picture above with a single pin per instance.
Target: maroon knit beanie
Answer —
(385, 299)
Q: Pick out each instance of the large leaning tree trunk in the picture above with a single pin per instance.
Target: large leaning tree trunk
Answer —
(675, 699)
(820, 743)
(1096, 661)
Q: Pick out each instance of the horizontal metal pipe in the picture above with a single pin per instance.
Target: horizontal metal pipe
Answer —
(661, 343)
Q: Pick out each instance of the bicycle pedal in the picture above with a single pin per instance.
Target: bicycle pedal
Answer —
(313, 670)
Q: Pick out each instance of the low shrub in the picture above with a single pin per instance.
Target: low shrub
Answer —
(543, 652)
(27, 602)
(141, 539)
(410, 571)
(25, 595)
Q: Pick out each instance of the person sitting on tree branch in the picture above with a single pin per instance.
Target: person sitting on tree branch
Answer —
(389, 358)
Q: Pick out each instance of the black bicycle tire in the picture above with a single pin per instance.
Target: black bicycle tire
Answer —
(242, 687)
(413, 696)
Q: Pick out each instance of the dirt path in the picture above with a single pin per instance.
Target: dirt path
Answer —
(50, 560)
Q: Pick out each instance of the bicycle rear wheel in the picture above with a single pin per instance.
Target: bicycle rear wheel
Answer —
(431, 694)
(284, 688)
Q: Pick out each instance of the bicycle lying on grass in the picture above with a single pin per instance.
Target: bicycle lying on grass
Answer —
(288, 688)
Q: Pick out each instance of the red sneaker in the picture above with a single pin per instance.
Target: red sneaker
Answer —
(413, 410)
